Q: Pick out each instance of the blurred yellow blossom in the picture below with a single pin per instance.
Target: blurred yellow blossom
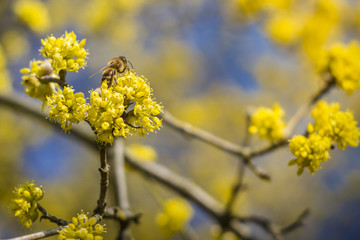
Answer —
(24, 204)
(82, 228)
(34, 13)
(258, 6)
(65, 52)
(339, 126)
(5, 81)
(176, 214)
(123, 109)
(284, 28)
(67, 107)
(268, 123)
(143, 152)
(15, 44)
(309, 152)
(343, 63)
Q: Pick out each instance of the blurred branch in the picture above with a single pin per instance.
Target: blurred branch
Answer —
(275, 231)
(237, 187)
(299, 222)
(187, 189)
(120, 187)
(179, 184)
(32, 108)
(327, 84)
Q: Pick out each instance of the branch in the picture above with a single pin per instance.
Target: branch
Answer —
(46, 215)
(203, 135)
(299, 222)
(104, 181)
(229, 147)
(38, 235)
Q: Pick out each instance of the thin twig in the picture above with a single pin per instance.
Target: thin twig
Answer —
(327, 84)
(104, 181)
(239, 151)
(203, 135)
(299, 222)
(51, 218)
(237, 187)
(118, 214)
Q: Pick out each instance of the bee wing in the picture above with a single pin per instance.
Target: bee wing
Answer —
(101, 70)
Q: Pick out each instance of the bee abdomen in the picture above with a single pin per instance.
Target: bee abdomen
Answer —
(108, 75)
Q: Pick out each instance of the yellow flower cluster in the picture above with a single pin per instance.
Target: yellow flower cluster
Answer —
(330, 125)
(24, 204)
(339, 126)
(343, 63)
(309, 152)
(268, 123)
(31, 80)
(82, 228)
(123, 109)
(176, 214)
(67, 107)
(65, 52)
(34, 13)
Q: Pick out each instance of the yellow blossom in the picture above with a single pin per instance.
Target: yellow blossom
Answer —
(343, 63)
(268, 123)
(176, 214)
(82, 228)
(309, 152)
(31, 80)
(67, 107)
(123, 109)
(339, 126)
(24, 203)
(34, 13)
(65, 52)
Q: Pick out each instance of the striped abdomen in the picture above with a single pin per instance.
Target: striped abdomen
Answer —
(109, 76)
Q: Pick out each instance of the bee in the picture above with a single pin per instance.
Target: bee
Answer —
(115, 66)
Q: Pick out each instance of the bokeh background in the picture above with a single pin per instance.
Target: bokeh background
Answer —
(207, 61)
